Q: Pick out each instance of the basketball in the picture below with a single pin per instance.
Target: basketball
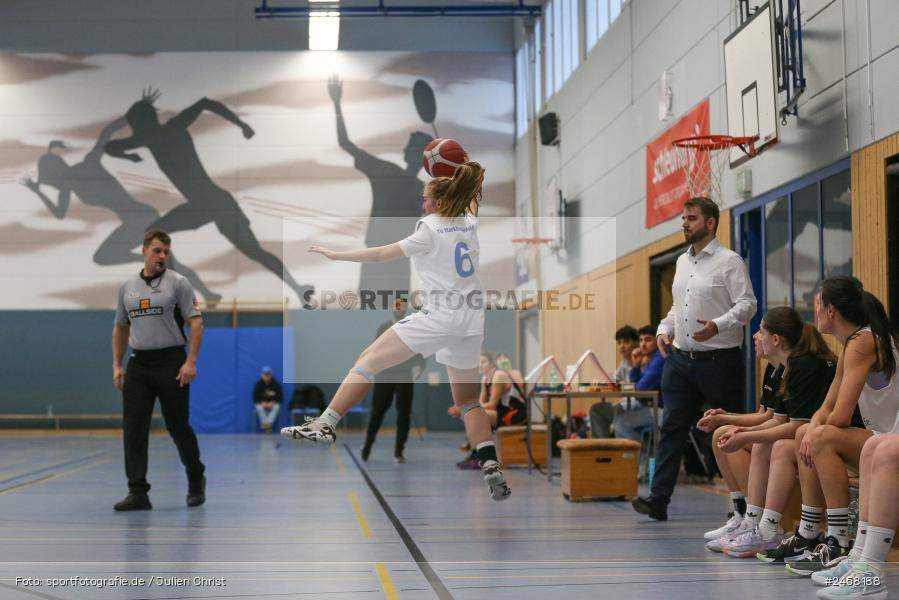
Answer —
(442, 156)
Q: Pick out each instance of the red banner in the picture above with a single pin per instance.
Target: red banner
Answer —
(666, 180)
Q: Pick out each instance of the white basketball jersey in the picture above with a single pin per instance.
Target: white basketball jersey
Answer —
(445, 254)
(880, 407)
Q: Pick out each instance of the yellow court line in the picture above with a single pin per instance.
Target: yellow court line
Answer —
(337, 459)
(28, 484)
(709, 489)
(363, 524)
(386, 581)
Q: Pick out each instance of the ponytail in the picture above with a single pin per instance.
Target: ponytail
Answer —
(860, 307)
(455, 194)
(884, 335)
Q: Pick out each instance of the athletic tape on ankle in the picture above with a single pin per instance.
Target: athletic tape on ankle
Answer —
(364, 372)
(464, 410)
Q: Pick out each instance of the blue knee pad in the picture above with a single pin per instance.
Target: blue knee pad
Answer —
(464, 410)
(364, 372)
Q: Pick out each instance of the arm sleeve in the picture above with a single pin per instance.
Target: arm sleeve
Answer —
(651, 379)
(258, 392)
(634, 375)
(121, 315)
(666, 325)
(420, 242)
(739, 286)
(187, 300)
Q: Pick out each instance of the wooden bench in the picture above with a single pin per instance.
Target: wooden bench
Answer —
(599, 468)
(512, 445)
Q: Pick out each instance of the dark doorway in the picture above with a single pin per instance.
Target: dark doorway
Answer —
(892, 168)
(661, 277)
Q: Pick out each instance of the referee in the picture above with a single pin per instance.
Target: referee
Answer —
(152, 309)
(702, 339)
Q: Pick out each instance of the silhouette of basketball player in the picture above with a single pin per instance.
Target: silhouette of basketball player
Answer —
(96, 186)
(396, 199)
(173, 148)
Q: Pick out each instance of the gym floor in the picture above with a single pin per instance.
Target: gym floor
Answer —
(288, 521)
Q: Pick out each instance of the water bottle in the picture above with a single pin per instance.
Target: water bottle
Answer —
(553, 378)
(49, 410)
(853, 511)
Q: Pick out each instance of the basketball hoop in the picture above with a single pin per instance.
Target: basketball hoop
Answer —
(532, 240)
(704, 160)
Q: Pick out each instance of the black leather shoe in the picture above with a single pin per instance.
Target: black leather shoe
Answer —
(196, 493)
(134, 502)
(647, 506)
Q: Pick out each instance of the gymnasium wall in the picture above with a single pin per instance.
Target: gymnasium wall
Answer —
(609, 112)
(69, 72)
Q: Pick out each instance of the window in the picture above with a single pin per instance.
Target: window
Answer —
(777, 257)
(548, 29)
(836, 220)
(805, 230)
(521, 91)
(538, 68)
(791, 238)
(561, 43)
(599, 14)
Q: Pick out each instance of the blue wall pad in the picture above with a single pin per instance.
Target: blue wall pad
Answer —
(230, 362)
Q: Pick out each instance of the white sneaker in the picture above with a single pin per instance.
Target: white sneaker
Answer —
(732, 524)
(841, 566)
(496, 481)
(719, 544)
(312, 430)
(861, 582)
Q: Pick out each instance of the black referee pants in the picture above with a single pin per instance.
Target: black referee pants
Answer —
(151, 375)
(382, 398)
(687, 385)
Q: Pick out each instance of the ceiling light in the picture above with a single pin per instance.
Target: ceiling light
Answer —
(324, 27)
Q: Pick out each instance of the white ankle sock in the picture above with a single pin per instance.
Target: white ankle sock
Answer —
(877, 545)
(330, 418)
(838, 524)
(859, 544)
(769, 526)
(753, 515)
(810, 523)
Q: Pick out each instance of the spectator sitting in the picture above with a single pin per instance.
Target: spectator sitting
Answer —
(646, 374)
(267, 398)
(602, 414)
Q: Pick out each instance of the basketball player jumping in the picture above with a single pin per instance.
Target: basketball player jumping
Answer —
(444, 249)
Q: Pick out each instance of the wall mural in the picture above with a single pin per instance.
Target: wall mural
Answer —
(245, 158)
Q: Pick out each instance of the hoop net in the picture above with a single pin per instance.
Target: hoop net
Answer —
(704, 159)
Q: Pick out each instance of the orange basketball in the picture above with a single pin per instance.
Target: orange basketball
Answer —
(442, 156)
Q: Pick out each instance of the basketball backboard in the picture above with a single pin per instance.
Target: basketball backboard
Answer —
(750, 82)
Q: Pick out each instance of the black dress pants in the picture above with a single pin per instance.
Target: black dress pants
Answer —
(150, 375)
(382, 398)
(687, 385)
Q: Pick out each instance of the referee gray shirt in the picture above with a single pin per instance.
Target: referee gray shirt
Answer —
(156, 310)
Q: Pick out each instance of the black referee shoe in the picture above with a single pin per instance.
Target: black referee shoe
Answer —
(134, 502)
(196, 493)
(648, 506)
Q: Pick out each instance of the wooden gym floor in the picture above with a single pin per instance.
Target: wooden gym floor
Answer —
(289, 521)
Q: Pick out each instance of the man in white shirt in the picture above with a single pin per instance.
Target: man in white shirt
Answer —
(701, 338)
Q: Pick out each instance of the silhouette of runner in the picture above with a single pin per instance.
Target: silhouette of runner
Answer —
(173, 148)
(396, 199)
(96, 186)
